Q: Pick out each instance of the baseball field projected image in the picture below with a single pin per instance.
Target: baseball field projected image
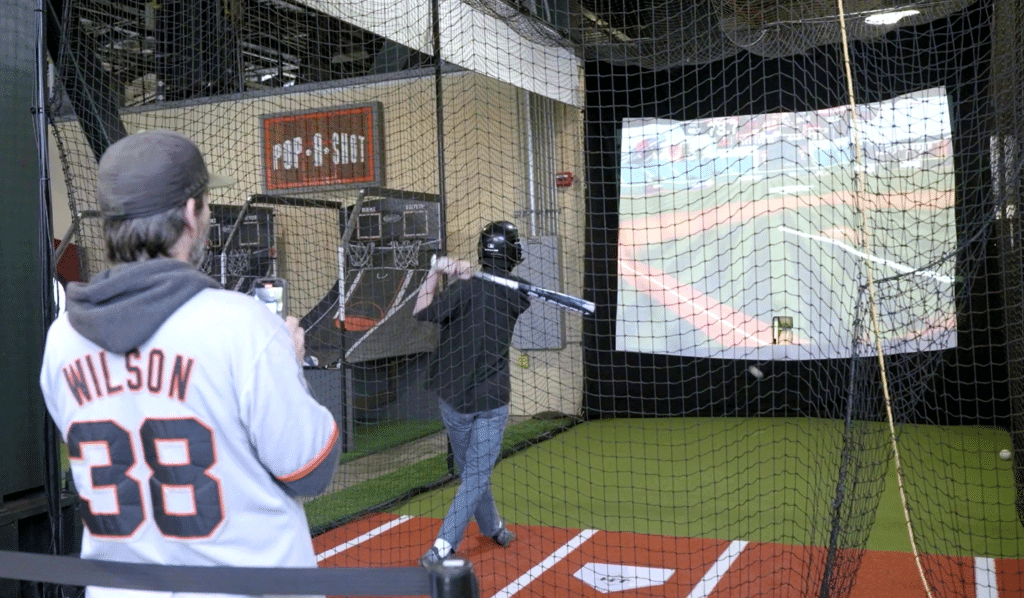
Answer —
(752, 237)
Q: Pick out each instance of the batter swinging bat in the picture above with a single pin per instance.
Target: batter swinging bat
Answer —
(559, 299)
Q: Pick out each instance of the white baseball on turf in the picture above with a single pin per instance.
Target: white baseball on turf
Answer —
(1005, 454)
(755, 372)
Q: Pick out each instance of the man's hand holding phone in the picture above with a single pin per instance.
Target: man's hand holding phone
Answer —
(273, 292)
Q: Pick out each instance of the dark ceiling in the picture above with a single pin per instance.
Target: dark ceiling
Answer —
(180, 49)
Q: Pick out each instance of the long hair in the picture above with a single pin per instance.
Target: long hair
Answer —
(144, 238)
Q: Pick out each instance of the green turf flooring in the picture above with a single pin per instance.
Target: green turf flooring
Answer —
(345, 503)
(764, 479)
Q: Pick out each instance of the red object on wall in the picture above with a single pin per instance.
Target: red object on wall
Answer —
(68, 269)
(324, 149)
(564, 179)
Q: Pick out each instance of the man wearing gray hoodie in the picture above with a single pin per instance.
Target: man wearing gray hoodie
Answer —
(173, 394)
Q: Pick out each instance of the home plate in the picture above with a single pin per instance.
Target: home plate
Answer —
(617, 578)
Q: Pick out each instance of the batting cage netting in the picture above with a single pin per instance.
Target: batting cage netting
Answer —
(797, 221)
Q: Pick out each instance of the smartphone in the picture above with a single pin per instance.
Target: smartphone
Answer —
(272, 292)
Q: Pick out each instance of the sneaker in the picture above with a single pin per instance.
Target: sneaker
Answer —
(431, 557)
(504, 536)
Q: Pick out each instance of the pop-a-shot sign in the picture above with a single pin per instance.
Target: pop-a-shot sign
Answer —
(323, 149)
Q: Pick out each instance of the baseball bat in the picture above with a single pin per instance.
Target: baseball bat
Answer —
(562, 300)
(555, 298)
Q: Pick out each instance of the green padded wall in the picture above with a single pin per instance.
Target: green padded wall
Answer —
(21, 271)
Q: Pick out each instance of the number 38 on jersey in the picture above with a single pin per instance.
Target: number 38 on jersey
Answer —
(185, 501)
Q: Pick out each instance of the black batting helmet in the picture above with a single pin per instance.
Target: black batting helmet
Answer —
(500, 246)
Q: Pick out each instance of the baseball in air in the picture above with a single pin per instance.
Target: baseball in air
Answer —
(755, 372)
(1005, 454)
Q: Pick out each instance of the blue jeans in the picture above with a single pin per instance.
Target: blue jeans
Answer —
(476, 445)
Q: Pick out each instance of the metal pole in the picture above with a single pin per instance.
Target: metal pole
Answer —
(66, 239)
(531, 167)
(51, 436)
(346, 370)
(439, 109)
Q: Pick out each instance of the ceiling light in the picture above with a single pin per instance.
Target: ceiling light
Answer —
(890, 18)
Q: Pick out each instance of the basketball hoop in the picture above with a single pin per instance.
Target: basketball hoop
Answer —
(407, 255)
(360, 254)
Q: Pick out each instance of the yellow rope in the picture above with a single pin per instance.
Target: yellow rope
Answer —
(865, 242)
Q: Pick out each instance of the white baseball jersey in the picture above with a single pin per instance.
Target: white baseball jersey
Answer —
(191, 449)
